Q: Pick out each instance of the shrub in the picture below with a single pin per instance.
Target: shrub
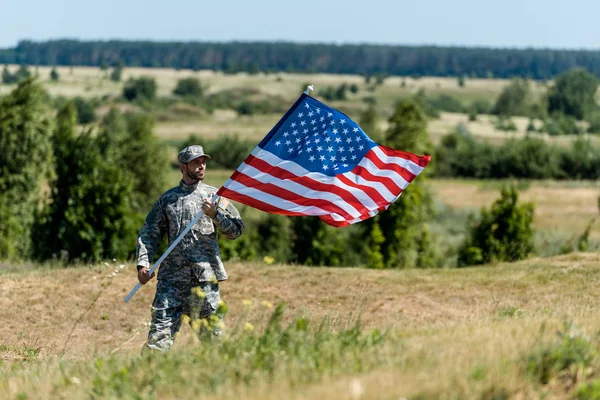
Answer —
(140, 89)
(514, 99)
(117, 72)
(572, 352)
(85, 110)
(54, 76)
(505, 124)
(188, 87)
(573, 94)
(503, 233)
(447, 103)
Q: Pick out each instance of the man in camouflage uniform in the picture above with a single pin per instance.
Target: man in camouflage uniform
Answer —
(188, 278)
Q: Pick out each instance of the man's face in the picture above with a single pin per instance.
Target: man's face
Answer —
(196, 169)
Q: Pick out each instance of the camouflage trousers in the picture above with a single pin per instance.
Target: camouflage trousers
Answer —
(196, 302)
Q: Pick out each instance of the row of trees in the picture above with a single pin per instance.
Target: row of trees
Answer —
(571, 98)
(102, 183)
(294, 57)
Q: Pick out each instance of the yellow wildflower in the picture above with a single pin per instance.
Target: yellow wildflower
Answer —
(267, 304)
(268, 260)
(248, 327)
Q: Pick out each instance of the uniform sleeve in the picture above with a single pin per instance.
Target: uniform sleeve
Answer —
(151, 234)
(228, 219)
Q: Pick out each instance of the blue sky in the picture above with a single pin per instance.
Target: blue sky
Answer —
(507, 23)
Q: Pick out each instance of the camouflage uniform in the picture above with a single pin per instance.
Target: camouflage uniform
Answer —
(188, 278)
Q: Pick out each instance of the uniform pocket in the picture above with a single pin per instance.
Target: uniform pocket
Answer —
(204, 226)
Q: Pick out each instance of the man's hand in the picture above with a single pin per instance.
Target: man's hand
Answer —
(143, 275)
(209, 208)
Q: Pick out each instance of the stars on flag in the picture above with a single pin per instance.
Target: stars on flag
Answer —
(342, 139)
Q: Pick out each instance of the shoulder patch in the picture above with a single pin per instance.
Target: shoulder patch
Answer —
(223, 203)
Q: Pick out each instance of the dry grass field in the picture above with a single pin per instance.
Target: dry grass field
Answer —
(559, 206)
(92, 82)
(458, 333)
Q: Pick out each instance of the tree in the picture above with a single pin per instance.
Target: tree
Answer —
(188, 87)
(85, 110)
(7, 77)
(25, 140)
(404, 243)
(141, 89)
(117, 72)
(23, 73)
(461, 81)
(316, 243)
(573, 94)
(514, 99)
(97, 212)
(54, 76)
(503, 233)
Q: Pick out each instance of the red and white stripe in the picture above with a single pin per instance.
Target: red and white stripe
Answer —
(279, 186)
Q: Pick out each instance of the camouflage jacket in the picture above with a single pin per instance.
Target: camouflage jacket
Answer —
(197, 255)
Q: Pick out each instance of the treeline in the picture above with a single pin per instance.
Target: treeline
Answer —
(297, 57)
(459, 155)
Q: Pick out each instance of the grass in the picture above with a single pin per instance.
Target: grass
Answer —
(523, 330)
(92, 82)
(566, 207)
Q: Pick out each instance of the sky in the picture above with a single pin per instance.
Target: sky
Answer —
(572, 24)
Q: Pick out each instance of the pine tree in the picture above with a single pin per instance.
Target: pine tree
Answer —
(404, 243)
(54, 76)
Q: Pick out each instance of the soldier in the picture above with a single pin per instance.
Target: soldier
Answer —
(188, 278)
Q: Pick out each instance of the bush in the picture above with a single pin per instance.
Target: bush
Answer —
(331, 93)
(447, 103)
(573, 94)
(140, 89)
(188, 87)
(21, 74)
(54, 76)
(561, 124)
(246, 101)
(482, 106)
(85, 110)
(514, 99)
(505, 124)
(503, 233)
(117, 72)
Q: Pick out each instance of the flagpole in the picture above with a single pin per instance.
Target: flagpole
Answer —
(309, 89)
(171, 247)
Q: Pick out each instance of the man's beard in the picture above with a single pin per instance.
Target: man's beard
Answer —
(194, 176)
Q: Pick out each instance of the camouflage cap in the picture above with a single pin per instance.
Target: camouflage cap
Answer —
(191, 152)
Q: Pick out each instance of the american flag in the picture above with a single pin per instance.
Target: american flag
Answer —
(317, 161)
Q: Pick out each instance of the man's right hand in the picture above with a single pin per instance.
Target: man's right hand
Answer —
(143, 275)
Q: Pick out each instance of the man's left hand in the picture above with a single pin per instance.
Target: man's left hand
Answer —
(209, 208)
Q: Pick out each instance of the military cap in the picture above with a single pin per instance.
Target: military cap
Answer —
(191, 152)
